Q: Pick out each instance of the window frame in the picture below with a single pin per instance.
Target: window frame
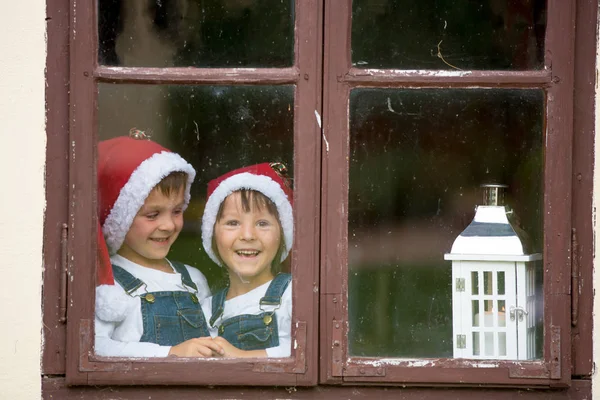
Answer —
(557, 78)
(85, 368)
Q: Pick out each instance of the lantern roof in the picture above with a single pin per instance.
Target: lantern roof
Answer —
(489, 237)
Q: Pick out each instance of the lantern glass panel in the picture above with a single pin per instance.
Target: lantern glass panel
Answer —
(474, 282)
(476, 345)
(487, 283)
(501, 282)
(488, 338)
(475, 307)
(501, 313)
(502, 344)
(417, 158)
(488, 319)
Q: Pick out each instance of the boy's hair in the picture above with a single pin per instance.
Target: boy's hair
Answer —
(172, 183)
(253, 199)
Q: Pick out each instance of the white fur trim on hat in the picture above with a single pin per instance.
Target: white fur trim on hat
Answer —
(246, 180)
(113, 304)
(133, 195)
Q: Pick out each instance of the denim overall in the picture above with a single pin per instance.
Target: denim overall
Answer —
(169, 317)
(249, 331)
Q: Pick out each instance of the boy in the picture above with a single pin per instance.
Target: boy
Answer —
(146, 305)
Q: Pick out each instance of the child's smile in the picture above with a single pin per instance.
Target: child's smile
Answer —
(247, 242)
(154, 229)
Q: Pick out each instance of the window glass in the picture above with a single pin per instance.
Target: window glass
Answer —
(448, 34)
(207, 33)
(417, 160)
(215, 128)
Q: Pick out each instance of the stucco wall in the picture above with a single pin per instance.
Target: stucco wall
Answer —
(22, 125)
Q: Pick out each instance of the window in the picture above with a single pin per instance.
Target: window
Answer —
(415, 123)
(419, 105)
(174, 70)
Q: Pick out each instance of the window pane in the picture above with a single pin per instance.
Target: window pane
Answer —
(501, 282)
(448, 34)
(475, 310)
(417, 159)
(208, 33)
(215, 128)
(474, 282)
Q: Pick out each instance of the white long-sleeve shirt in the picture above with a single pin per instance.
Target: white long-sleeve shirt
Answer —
(248, 303)
(122, 338)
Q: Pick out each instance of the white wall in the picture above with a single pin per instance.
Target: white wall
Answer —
(22, 198)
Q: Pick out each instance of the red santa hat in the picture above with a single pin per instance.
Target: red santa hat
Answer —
(269, 179)
(129, 168)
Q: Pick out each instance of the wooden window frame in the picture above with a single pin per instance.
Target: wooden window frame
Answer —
(59, 29)
(557, 79)
(83, 367)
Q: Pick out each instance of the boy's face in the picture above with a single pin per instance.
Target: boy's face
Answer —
(247, 242)
(154, 229)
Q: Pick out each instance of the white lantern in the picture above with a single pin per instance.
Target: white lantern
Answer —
(493, 287)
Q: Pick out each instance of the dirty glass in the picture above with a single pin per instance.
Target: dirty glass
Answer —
(448, 34)
(417, 160)
(215, 128)
(197, 33)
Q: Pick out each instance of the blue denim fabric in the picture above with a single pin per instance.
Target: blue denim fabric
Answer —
(169, 317)
(248, 331)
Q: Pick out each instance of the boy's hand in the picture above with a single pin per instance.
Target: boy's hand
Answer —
(197, 347)
(232, 351)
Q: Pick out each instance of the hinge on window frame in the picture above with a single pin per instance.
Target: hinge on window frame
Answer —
(338, 368)
(64, 273)
(460, 284)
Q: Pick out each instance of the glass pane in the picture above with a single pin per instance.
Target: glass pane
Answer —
(448, 34)
(475, 310)
(502, 344)
(488, 315)
(501, 282)
(501, 313)
(208, 33)
(488, 339)
(474, 282)
(487, 283)
(417, 160)
(214, 128)
(476, 345)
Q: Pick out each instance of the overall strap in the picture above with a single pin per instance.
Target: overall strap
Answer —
(185, 274)
(218, 305)
(129, 282)
(275, 290)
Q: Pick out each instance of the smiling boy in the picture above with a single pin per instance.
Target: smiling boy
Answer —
(146, 305)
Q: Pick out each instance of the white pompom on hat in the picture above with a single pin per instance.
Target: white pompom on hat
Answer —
(270, 179)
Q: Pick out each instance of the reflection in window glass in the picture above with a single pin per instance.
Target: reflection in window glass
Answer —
(448, 34)
(208, 33)
(417, 159)
(215, 128)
